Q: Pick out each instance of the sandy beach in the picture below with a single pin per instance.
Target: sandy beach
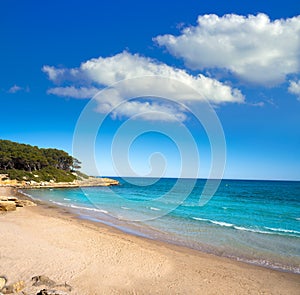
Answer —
(96, 259)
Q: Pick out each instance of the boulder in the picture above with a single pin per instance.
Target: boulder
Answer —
(12, 199)
(19, 204)
(24, 203)
(3, 281)
(42, 280)
(7, 206)
(13, 288)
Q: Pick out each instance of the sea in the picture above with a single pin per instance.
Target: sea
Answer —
(257, 222)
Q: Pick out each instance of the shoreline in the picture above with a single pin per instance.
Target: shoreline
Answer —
(103, 217)
(151, 235)
(174, 269)
(89, 182)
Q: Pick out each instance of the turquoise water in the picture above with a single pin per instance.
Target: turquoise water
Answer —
(252, 221)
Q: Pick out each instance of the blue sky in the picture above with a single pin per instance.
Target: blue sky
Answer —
(56, 54)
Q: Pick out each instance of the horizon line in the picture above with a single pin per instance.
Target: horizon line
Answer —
(200, 178)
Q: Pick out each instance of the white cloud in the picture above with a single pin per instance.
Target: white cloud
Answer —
(52, 72)
(71, 91)
(150, 111)
(104, 72)
(15, 89)
(254, 48)
(294, 88)
(58, 75)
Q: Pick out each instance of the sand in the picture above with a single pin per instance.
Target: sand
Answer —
(96, 259)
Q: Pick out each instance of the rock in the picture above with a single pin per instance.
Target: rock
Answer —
(9, 203)
(19, 286)
(3, 281)
(64, 286)
(42, 280)
(8, 290)
(19, 204)
(24, 203)
(51, 292)
(7, 206)
(13, 288)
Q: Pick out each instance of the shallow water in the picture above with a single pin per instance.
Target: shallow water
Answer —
(253, 221)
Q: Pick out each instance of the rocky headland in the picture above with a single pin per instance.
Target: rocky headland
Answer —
(82, 182)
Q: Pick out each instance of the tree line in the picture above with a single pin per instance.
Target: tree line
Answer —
(29, 158)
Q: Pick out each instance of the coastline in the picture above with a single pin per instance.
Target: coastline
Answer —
(89, 182)
(95, 258)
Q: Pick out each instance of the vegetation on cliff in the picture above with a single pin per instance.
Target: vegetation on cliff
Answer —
(26, 162)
